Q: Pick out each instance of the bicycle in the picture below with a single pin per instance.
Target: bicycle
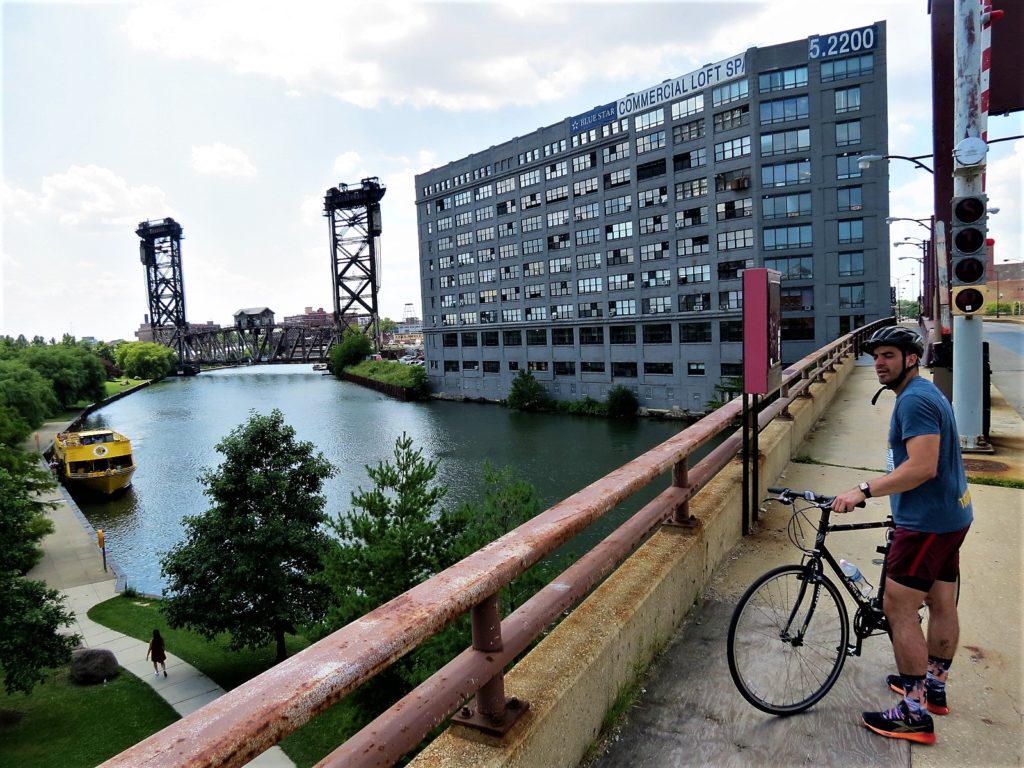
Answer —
(790, 632)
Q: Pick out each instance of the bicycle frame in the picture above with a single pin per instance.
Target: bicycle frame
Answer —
(869, 619)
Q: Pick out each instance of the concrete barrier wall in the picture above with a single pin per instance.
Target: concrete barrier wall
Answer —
(572, 678)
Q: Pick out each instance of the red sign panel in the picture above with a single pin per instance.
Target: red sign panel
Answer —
(762, 331)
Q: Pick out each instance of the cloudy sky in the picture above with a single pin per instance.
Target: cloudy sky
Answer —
(235, 117)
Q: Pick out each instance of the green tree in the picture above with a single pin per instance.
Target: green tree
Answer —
(145, 359)
(31, 615)
(248, 565)
(528, 394)
(386, 325)
(353, 348)
(26, 399)
(622, 403)
(75, 373)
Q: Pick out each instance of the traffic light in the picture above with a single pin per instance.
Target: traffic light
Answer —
(969, 254)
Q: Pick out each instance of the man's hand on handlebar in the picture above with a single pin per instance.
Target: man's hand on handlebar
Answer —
(845, 502)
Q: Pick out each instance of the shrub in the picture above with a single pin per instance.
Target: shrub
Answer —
(588, 406)
(528, 394)
(354, 347)
(622, 403)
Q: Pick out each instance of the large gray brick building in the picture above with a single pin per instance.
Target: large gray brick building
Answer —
(607, 248)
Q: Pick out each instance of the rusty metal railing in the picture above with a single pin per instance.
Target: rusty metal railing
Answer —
(240, 725)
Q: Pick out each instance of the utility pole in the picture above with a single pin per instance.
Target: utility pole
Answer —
(969, 131)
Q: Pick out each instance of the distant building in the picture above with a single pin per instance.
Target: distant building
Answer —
(310, 318)
(145, 330)
(608, 248)
(254, 317)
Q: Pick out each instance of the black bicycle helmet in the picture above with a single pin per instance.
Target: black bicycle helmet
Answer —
(903, 339)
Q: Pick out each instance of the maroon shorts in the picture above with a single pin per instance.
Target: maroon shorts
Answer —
(917, 560)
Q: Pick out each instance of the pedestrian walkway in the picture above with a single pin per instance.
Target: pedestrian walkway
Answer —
(691, 714)
(73, 563)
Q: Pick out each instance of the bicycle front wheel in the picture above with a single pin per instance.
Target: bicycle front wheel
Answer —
(787, 640)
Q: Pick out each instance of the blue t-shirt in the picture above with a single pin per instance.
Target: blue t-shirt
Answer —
(942, 504)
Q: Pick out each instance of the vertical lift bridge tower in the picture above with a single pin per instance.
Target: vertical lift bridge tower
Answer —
(354, 216)
(160, 251)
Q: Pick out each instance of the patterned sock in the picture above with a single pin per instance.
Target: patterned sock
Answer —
(913, 694)
(938, 671)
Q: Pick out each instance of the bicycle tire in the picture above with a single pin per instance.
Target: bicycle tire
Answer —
(775, 674)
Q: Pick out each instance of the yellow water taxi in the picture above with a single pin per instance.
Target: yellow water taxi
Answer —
(97, 460)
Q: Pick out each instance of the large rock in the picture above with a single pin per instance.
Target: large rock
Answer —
(93, 665)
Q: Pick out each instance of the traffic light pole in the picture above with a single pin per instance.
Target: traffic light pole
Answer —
(969, 122)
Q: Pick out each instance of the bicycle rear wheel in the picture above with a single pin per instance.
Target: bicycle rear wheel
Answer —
(787, 640)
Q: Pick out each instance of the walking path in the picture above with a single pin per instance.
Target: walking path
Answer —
(73, 563)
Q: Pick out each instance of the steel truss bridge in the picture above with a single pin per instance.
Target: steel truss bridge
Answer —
(353, 214)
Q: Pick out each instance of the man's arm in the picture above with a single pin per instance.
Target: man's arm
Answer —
(922, 464)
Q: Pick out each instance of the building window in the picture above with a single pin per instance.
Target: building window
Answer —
(508, 251)
(730, 330)
(565, 368)
(489, 338)
(556, 194)
(781, 142)
(483, 214)
(695, 302)
(797, 329)
(619, 256)
(648, 120)
(618, 231)
(794, 236)
(529, 178)
(537, 365)
(796, 299)
(786, 206)
(616, 205)
(537, 337)
(782, 79)
(651, 197)
(690, 131)
(793, 267)
(585, 187)
(591, 367)
(512, 338)
(615, 152)
(851, 296)
(847, 99)
(730, 300)
(693, 246)
(656, 277)
(784, 110)
(562, 337)
(657, 305)
(589, 285)
(622, 334)
(584, 161)
(650, 142)
(584, 212)
(686, 190)
(734, 209)
(561, 311)
(451, 366)
(841, 69)
(510, 272)
(616, 178)
(732, 118)
(492, 366)
(621, 282)
(695, 158)
(588, 261)
(786, 174)
(511, 315)
(851, 263)
(591, 334)
(731, 270)
(526, 202)
(698, 273)
(695, 369)
(449, 339)
(723, 94)
(848, 133)
(851, 231)
(651, 224)
(695, 333)
(657, 369)
(691, 106)
(506, 185)
(740, 238)
(692, 217)
(535, 291)
(849, 199)
(624, 370)
(622, 308)
(469, 339)
(730, 150)
(651, 170)
(533, 246)
(590, 309)
(558, 242)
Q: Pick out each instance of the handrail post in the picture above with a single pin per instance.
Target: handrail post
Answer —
(494, 714)
(681, 517)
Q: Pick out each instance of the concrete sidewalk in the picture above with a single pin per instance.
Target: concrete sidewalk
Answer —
(72, 563)
(691, 714)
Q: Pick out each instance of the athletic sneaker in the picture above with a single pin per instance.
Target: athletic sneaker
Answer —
(896, 723)
(935, 700)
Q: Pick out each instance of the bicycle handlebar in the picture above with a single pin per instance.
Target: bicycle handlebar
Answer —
(787, 496)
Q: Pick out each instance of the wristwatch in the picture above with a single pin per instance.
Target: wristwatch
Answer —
(865, 489)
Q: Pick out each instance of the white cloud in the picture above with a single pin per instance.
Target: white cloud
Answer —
(346, 163)
(219, 159)
(86, 197)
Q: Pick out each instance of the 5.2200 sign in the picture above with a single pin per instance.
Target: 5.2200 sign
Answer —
(841, 43)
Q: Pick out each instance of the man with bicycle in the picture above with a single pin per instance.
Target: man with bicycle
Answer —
(931, 509)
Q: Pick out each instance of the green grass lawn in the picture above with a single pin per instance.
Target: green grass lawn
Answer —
(67, 725)
(139, 616)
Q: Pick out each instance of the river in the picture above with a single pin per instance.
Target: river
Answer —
(175, 425)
